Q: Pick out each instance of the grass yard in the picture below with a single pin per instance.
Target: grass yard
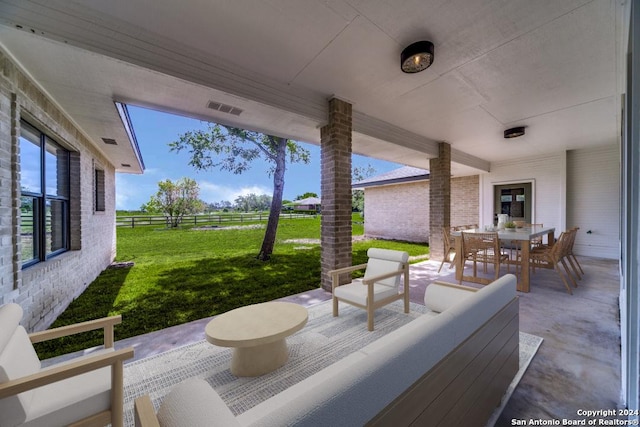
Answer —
(185, 274)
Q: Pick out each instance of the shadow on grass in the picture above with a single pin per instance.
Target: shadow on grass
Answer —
(161, 296)
(212, 286)
(95, 302)
(192, 291)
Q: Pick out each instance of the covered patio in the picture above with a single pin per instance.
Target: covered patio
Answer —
(576, 367)
(328, 73)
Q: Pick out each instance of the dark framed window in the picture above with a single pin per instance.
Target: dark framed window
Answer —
(44, 184)
(98, 194)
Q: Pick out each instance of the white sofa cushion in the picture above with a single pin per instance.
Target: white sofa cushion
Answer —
(440, 296)
(472, 313)
(298, 403)
(194, 403)
(353, 390)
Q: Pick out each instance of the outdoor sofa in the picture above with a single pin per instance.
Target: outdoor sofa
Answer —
(451, 366)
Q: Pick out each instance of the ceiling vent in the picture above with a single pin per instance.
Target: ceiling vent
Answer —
(224, 108)
(109, 141)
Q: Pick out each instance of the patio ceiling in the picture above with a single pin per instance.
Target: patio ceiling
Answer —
(548, 65)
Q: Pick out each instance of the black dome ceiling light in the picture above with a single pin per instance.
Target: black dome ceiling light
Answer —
(514, 132)
(417, 57)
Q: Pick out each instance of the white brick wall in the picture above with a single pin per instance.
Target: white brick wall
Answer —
(46, 289)
(401, 211)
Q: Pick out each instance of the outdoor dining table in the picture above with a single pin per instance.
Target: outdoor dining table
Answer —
(522, 235)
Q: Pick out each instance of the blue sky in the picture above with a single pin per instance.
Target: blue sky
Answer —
(155, 130)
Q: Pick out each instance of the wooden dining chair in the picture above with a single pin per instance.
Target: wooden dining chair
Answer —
(484, 248)
(571, 256)
(552, 257)
(449, 248)
(537, 241)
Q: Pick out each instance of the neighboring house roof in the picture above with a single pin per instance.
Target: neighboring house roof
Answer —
(396, 176)
(307, 201)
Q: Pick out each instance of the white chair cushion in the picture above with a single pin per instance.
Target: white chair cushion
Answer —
(389, 254)
(439, 297)
(382, 261)
(67, 401)
(356, 292)
(14, 409)
(193, 403)
(10, 316)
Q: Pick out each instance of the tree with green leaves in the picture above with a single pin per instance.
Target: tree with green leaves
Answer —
(357, 196)
(306, 195)
(175, 200)
(253, 202)
(233, 149)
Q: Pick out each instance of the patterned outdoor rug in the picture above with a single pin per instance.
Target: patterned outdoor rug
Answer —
(322, 342)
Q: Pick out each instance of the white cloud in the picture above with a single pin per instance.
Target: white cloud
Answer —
(133, 190)
(125, 193)
(152, 171)
(210, 192)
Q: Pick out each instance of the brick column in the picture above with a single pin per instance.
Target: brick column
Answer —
(439, 199)
(335, 166)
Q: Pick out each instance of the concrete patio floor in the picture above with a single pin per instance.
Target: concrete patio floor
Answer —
(577, 366)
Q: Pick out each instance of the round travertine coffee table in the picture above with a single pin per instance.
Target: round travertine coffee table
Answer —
(257, 334)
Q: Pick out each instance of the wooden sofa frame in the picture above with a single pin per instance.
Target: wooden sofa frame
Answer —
(466, 386)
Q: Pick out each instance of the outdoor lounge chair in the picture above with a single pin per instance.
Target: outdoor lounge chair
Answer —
(379, 286)
(85, 391)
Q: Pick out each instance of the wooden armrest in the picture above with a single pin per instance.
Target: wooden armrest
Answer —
(58, 373)
(348, 269)
(385, 276)
(335, 273)
(106, 323)
(145, 414)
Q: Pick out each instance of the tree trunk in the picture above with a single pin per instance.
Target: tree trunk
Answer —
(276, 201)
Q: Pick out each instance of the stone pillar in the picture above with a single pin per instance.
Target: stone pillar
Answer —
(335, 167)
(439, 199)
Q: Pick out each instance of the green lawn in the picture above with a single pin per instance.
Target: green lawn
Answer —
(182, 275)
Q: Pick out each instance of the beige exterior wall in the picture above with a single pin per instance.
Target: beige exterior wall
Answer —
(465, 200)
(397, 211)
(401, 211)
(44, 290)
